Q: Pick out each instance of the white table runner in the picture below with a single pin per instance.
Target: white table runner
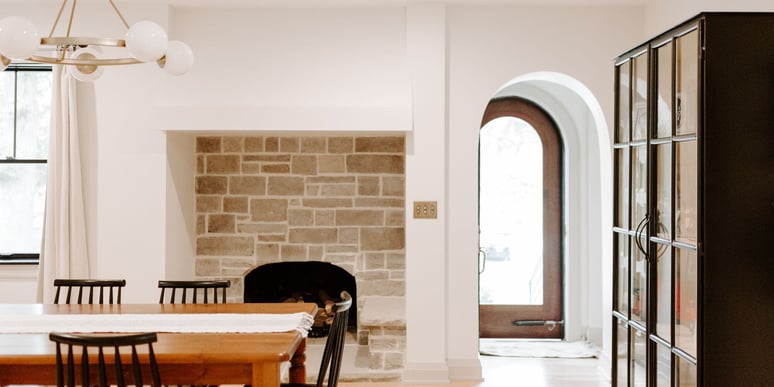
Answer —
(167, 322)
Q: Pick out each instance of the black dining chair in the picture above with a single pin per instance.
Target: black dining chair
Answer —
(88, 287)
(179, 291)
(330, 365)
(108, 350)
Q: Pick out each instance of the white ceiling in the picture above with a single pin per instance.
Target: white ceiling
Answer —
(337, 3)
(378, 3)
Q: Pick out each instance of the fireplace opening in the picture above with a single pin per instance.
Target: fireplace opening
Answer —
(318, 282)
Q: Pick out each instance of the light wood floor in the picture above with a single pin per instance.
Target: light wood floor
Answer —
(531, 372)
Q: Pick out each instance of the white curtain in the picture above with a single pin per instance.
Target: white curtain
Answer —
(63, 250)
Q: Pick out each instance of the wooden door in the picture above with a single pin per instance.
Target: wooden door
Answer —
(507, 231)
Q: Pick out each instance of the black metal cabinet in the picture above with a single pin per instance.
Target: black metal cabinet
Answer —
(693, 286)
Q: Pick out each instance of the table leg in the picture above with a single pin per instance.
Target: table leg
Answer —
(297, 373)
(266, 374)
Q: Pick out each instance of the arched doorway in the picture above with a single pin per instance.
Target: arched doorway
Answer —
(520, 222)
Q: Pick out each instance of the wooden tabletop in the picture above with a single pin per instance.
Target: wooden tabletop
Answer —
(272, 308)
(184, 358)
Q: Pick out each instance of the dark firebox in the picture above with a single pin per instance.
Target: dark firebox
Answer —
(318, 282)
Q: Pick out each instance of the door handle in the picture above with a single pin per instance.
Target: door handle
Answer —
(481, 266)
(531, 323)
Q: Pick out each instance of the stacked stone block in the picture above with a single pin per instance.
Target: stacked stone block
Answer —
(340, 199)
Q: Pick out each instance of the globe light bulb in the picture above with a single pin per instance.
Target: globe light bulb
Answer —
(85, 73)
(146, 41)
(179, 58)
(18, 37)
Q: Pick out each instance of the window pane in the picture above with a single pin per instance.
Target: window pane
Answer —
(622, 188)
(33, 114)
(622, 353)
(664, 103)
(663, 217)
(687, 66)
(686, 373)
(663, 366)
(638, 357)
(639, 284)
(22, 200)
(639, 201)
(663, 300)
(686, 275)
(622, 273)
(640, 98)
(686, 183)
(6, 114)
(624, 112)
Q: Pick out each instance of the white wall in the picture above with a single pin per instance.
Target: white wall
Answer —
(664, 14)
(427, 70)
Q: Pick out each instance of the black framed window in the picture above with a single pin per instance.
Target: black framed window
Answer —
(25, 118)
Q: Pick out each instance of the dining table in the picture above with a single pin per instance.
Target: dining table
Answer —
(198, 344)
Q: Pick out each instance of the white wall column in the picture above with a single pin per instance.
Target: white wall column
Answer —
(426, 181)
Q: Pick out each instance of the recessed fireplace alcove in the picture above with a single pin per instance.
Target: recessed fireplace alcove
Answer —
(309, 281)
(333, 201)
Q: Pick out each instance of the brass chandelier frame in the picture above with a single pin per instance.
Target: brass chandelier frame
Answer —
(67, 43)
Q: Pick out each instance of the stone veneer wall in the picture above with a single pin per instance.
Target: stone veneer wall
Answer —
(339, 199)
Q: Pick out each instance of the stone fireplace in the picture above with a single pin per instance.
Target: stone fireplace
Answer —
(335, 199)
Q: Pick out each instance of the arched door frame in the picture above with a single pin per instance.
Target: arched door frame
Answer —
(588, 183)
(501, 320)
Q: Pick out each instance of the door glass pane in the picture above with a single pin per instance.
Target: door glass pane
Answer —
(638, 357)
(686, 373)
(639, 201)
(639, 284)
(663, 215)
(624, 112)
(663, 301)
(622, 188)
(663, 366)
(622, 353)
(686, 191)
(640, 97)
(511, 210)
(664, 103)
(622, 273)
(687, 93)
(685, 300)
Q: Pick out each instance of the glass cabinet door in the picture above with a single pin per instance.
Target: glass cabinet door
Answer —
(656, 204)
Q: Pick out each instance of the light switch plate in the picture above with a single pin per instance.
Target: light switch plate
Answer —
(425, 210)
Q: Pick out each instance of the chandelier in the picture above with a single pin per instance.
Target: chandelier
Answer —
(144, 41)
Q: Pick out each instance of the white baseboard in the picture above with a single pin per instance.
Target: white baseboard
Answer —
(604, 365)
(426, 373)
(465, 369)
